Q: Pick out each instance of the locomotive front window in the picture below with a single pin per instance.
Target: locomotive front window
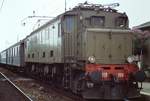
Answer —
(97, 21)
(121, 22)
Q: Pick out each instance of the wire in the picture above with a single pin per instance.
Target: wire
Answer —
(2, 5)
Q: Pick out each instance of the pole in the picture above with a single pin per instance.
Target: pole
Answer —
(65, 6)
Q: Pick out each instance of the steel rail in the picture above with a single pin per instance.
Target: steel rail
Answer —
(17, 88)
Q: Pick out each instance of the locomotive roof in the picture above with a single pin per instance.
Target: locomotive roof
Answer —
(46, 24)
(81, 6)
(97, 7)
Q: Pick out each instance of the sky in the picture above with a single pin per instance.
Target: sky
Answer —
(14, 13)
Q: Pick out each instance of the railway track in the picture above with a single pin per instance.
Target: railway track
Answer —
(68, 94)
(10, 92)
(65, 94)
(32, 88)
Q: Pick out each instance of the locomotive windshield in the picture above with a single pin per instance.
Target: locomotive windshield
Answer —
(95, 21)
(121, 22)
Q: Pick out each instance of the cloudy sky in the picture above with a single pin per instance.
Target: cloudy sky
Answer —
(13, 14)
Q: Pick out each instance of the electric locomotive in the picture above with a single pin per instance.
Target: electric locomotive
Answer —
(89, 50)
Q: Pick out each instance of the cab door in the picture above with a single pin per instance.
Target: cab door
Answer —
(70, 37)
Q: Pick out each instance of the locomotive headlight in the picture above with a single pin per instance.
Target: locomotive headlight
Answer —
(130, 59)
(91, 59)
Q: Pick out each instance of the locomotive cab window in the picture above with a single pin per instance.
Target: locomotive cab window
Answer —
(87, 22)
(97, 21)
(28, 55)
(121, 22)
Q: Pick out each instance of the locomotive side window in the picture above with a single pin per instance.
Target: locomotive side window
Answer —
(51, 53)
(32, 55)
(121, 21)
(43, 54)
(28, 55)
(97, 21)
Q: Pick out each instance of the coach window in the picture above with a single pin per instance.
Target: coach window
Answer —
(97, 21)
(9, 55)
(46, 36)
(11, 52)
(14, 51)
(48, 31)
(59, 29)
(41, 38)
(17, 51)
(51, 53)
